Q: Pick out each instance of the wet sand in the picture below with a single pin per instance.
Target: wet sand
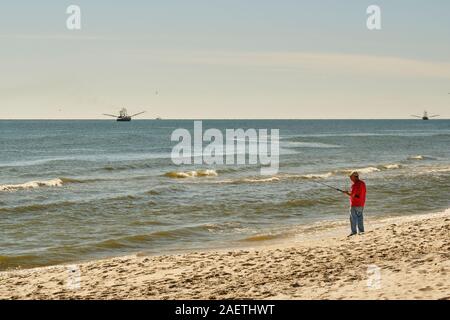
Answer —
(398, 258)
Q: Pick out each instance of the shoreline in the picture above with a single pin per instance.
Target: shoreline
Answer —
(276, 238)
(405, 257)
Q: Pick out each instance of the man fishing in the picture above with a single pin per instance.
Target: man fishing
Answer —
(357, 196)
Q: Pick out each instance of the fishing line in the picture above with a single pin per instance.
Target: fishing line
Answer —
(327, 185)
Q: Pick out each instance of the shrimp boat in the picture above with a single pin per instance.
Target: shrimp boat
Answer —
(425, 116)
(123, 115)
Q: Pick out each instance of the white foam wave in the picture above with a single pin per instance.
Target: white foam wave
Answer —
(439, 170)
(32, 185)
(420, 157)
(249, 180)
(317, 175)
(299, 144)
(365, 170)
(271, 179)
(392, 166)
(192, 174)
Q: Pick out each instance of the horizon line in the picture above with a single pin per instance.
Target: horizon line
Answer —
(201, 119)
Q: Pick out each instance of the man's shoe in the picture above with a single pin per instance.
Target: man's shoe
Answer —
(361, 233)
(351, 235)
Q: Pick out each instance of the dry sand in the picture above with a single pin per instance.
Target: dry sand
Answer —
(399, 258)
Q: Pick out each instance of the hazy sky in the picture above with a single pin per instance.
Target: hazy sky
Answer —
(224, 59)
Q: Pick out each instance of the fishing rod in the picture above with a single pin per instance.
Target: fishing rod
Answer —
(327, 185)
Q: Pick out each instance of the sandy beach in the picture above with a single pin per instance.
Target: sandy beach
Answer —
(398, 258)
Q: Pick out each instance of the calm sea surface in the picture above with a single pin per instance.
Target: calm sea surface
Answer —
(76, 190)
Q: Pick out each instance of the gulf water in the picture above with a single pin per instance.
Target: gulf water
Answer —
(79, 190)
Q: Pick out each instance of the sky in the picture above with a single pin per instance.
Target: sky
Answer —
(287, 59)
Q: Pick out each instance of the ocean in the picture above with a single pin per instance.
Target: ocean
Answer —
(80, 190)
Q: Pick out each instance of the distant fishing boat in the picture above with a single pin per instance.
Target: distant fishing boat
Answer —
(123, 115)
(425, 116)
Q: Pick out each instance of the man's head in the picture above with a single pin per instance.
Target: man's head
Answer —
(354, 176)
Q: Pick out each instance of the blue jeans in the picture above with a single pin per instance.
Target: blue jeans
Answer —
(356, 219)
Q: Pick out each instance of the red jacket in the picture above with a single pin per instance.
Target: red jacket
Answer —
(358, 194)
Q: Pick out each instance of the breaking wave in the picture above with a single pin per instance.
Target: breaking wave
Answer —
(438, 170)
(32, 185)
(392, 166)
(317, 176)
(58, 182)
(191, 174)
(259, 180)
(325, 175)
(249, 180)
(420, 157)
(364, 170)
